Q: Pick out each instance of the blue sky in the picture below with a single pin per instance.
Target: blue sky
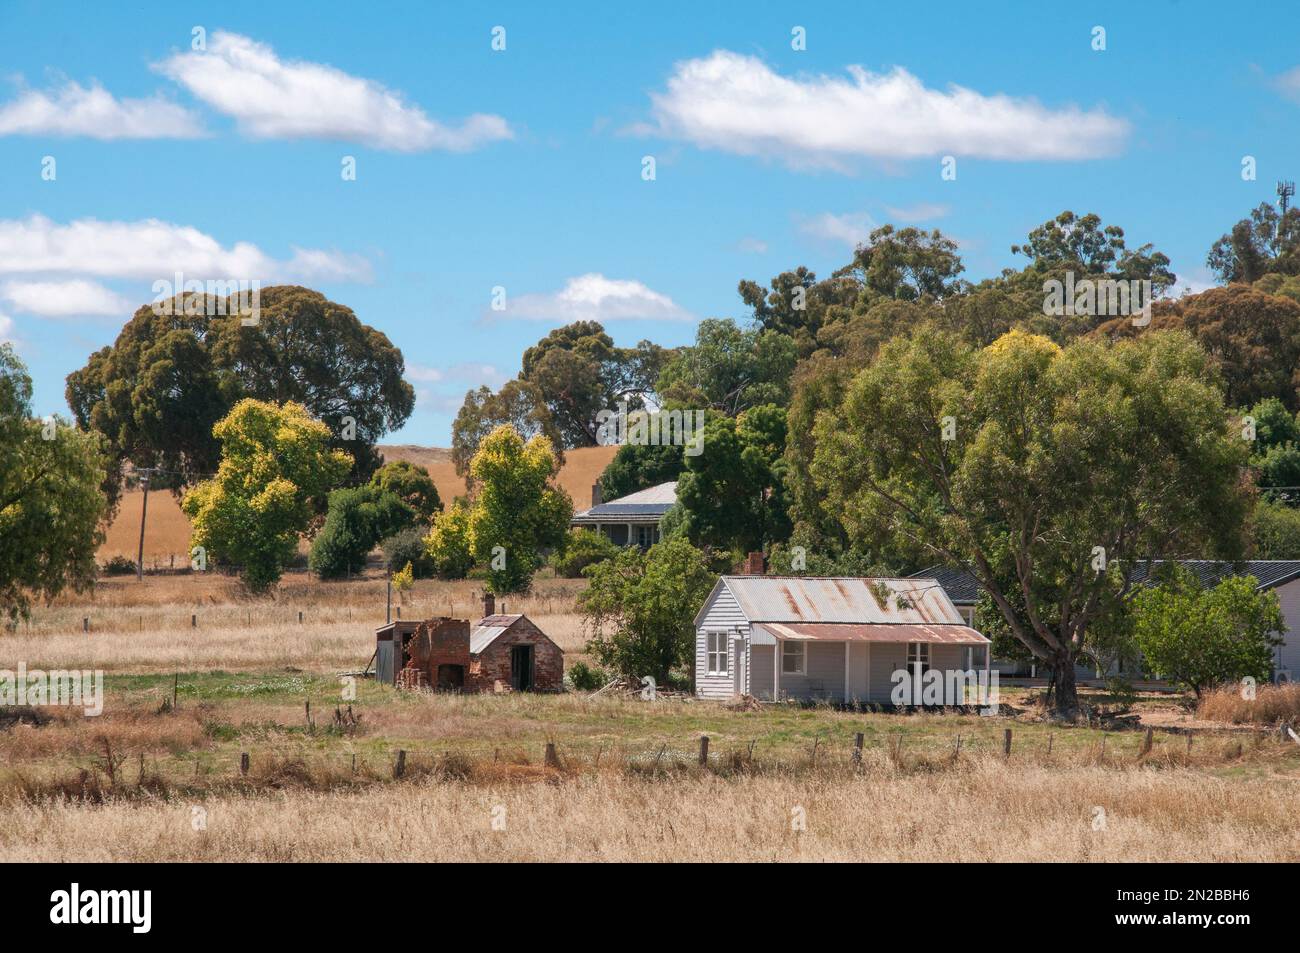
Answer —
(522, 168)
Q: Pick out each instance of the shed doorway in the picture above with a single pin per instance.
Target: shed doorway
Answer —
(521, 668)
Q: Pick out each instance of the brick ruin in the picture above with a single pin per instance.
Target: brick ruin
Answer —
(514, 655)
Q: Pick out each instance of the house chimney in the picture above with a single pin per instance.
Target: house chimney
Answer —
(595, 494)
(754, 564)
(489, 604)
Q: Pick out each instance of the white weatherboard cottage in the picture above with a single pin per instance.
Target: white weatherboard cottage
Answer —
(836, 638)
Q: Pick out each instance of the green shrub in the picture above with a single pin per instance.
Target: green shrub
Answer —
(448, 543)
(119, 566)
(411, 484)
(407, 546)
(358, 518)
(582, 547)
(586, 678)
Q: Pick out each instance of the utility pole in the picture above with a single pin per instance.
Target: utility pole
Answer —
(1284, 192)
(144, 508)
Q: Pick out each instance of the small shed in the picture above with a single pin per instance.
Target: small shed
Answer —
(499, 653)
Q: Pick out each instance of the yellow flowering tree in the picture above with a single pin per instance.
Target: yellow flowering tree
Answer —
(275, 461)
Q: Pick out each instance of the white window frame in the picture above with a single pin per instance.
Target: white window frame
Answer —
(801, 652)
(918, 653)
(717, 652)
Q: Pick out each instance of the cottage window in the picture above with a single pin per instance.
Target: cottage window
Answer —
(717, 653)
(918, 657)
(793, 657)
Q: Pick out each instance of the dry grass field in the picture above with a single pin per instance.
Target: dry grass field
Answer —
(980, 811)
(167, 529)
(135, 782)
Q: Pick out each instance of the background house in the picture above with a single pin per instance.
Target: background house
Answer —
(499, 653)
(837, 639)
(631, 520)
(1282, 575)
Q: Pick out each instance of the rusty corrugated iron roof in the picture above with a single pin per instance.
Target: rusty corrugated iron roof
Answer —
(944, 634)
(487, 629)
(843, 599)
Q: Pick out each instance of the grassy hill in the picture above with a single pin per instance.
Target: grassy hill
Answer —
(167, 530)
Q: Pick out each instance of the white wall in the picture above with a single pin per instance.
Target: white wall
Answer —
(1288, 656)
(721, 613)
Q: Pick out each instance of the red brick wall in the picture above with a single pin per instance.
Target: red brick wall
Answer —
(493, 664)
(437, 642)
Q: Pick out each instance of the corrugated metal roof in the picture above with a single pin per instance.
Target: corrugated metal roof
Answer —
(959, 584)
(963, 589)
(652, 502)
(487, 629)
(843, 599)
(901, 632)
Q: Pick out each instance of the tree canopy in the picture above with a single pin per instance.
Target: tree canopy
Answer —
(1204, 638)
(52, 508)
(1039, 468)
(640, 609)
(172, 373)
(276, 462)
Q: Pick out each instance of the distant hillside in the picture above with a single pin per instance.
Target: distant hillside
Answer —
(167, 530)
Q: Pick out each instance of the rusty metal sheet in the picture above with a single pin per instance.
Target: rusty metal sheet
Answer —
(868, 632)
(849, 600)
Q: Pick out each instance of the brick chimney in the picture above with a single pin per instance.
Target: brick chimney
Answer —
(595, 494)
(755, 564)
(489, 604)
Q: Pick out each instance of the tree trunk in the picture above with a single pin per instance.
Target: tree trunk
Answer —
(1067, 696)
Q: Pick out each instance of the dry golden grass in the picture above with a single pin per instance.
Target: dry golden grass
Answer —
(167, 529)
(1271, 705)
(987, 811)
(146, 626)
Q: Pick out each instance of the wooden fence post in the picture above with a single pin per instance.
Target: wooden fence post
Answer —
(1006, 743)
(1148, 741)
(243, 764)
(85, 624)
(399, 768)
(194, 621)
(857, 750)
(704, 751)
(552, 759)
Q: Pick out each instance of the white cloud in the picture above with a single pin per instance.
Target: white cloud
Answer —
(738, 104)
(850, 229)
(1192, 283)
(921, 212)
(468, 372)
(152, 249)
(593, 297)
(76, 297)
(76, 110)
(7, 330)
(754, 246)
(1289, 83)
(272, 98)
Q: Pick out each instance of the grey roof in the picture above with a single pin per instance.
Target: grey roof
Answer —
(647, 505)
(839, 599)
(964, 589)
